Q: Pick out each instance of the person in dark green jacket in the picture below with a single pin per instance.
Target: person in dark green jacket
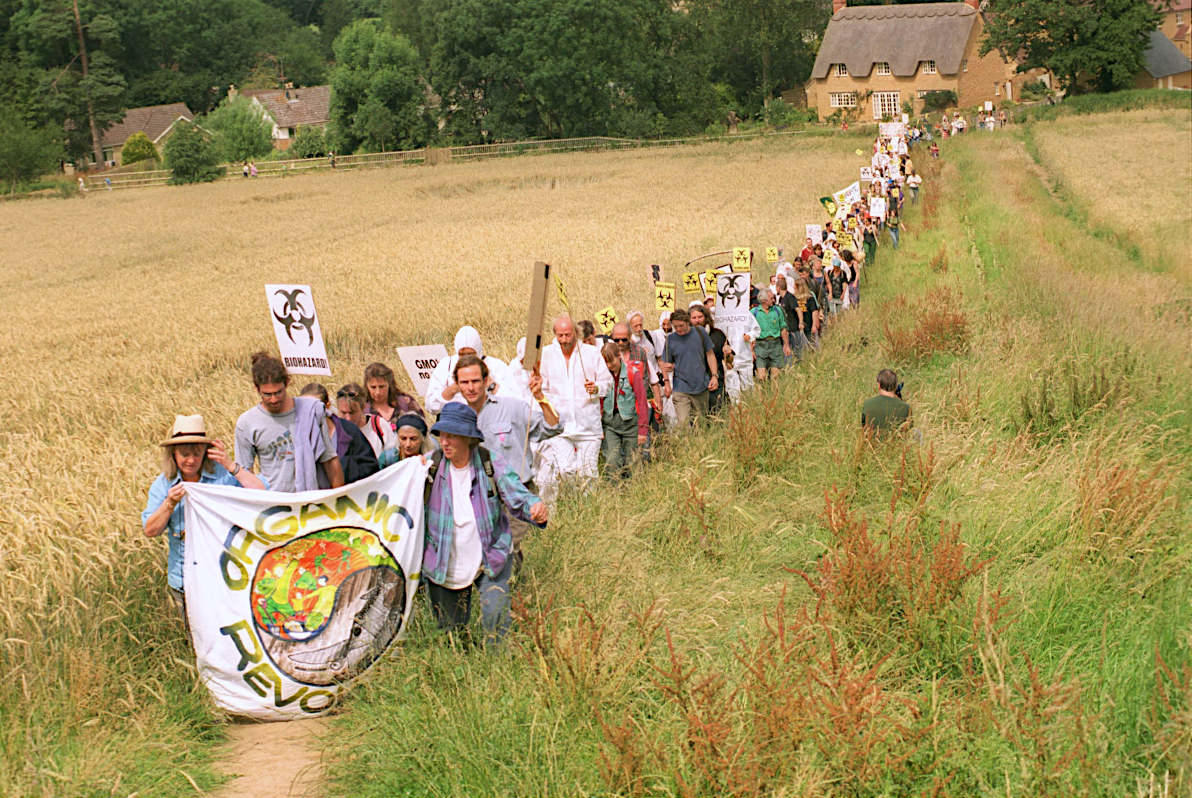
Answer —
(886, 411)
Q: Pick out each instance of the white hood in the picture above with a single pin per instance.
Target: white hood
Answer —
(468, 338)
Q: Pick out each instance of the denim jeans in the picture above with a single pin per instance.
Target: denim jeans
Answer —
(893, 236)
(452, 609)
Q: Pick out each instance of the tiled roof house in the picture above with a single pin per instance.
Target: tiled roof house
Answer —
(155, 121)
(290, 109)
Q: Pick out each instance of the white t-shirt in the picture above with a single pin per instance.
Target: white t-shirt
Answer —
(466, 554)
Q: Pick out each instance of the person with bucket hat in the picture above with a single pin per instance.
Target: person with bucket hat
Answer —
(188, 455)
(470, 492)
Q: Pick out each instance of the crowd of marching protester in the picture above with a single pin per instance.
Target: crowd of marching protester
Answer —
(500, 440)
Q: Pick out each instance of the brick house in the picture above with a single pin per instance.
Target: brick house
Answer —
(155, 121)
(873, 59)
(1177, 24)
(1164, 66)
(289, 109)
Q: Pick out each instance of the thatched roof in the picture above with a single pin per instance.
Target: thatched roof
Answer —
(902, 36)
(1162, 58)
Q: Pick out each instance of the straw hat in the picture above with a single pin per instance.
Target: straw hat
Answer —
(187, 429)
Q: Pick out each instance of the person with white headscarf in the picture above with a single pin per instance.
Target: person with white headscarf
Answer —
(442, 388)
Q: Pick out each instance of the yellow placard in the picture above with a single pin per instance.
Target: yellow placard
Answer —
(709, 282)
(664, 296)
(742, 259)
(771, 254)
(606, 319)
(562, 293)
(691, 282)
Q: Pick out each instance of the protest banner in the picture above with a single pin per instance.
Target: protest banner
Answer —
(989, 105)
(847, 196)
(420, 363)
(296, 326)
(866, 174)
(300, 592)
(877, 207)
(829, 205)
(742, 259)
(539, 287)
(815, 232)
(771, 254)
(606, 319)
(664, 296)
(891, 130)
(691, 283)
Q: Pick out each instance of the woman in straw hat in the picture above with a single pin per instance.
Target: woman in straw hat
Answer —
(188, 455)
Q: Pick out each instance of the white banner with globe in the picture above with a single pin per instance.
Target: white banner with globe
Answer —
(292, 595)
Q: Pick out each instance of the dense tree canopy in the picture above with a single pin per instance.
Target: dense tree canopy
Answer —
(407, 72)
(1087, 44)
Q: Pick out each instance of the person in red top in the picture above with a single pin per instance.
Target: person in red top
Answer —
(625, 410)
(808, 250)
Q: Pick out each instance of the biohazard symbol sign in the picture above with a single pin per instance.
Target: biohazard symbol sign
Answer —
(664, 296)
(742, 259)
(771, 254)
(691, 282)
(607, 319)
(293, 315)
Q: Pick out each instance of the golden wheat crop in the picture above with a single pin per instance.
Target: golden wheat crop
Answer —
(125, 308)
(1133, 171)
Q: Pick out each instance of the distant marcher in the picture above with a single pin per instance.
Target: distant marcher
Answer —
(641, 344)
(625, 412)
(385, 399)
(913, 181)
(355, 455)
(252, 168)
(807, 318)
(442, 388)
(785, 300)
(886, 411)
(349, 405)
(852, 273)
(935, 150)
(188, 455)
(693, 369)
(244, 171)
(575, 379)
(285, 435)
(1001, 118)
(894, 225)
(869, 241)
(772, 348)
(412, 436)
(470, 491)
(836, 285)
(703, 317)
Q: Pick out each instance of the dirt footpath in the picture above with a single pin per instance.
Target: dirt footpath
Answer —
(280, 760)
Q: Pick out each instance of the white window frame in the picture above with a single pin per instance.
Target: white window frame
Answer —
(887, 103)
(929, 68)
(839, 71)
(842, 99)
(1179, 18)
(881, 68)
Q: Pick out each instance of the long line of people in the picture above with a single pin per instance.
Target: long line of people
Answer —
(532, 431)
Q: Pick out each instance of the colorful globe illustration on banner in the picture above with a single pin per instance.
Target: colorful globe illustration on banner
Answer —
(327, 604)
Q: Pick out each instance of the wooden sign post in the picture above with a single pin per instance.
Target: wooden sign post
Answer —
(539, 283)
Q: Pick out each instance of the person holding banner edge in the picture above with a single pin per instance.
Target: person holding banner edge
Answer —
(188, 456)
(469, 492)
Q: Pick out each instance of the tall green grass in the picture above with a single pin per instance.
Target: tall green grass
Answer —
(993, 604)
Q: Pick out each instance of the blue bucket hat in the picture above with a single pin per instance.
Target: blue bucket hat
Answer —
(458, 419)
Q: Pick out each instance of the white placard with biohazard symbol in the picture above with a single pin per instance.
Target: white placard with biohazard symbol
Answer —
(300, 592)
(732, 298)
(299, 336)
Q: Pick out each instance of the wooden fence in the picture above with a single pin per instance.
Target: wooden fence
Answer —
(430, 155)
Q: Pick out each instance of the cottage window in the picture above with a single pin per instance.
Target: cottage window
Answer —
(928, 67)
(886, 104)
(964, 65)
(1179, 18)
(839, 71)
(883, 68)
(842, 99)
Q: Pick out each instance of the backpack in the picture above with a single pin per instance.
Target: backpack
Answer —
(486, 462)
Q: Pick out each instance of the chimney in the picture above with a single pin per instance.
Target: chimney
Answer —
(837, 5)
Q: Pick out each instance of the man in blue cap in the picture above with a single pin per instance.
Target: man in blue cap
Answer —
(468, 542)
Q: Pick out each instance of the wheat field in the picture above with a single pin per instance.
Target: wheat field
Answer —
(126, 308)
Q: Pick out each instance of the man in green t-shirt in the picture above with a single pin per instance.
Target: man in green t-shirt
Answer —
(886, 411)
